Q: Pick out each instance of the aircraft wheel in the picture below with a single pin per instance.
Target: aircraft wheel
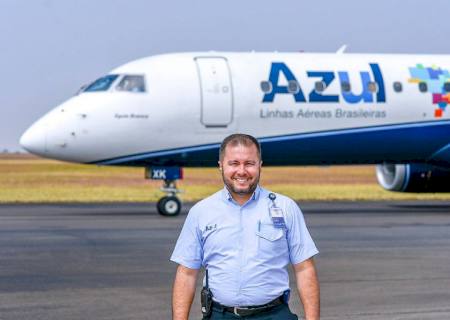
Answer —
(169, 206)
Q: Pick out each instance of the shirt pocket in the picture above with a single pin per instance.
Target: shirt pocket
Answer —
(271, 240)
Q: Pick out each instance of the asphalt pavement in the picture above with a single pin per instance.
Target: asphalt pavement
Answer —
(378, 260)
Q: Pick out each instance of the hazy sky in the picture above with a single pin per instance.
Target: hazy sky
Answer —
(49, 48)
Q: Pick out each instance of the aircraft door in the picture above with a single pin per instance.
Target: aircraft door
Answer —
(216, 92)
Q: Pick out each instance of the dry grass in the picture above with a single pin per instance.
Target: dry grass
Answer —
(25, 178)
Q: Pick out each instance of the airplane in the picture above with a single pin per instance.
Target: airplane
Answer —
(170, 111)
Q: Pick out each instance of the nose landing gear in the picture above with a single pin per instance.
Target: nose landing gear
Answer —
(169, 205)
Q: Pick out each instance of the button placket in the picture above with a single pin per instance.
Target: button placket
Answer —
(241, 250)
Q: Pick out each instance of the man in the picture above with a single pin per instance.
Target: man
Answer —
(245, 236)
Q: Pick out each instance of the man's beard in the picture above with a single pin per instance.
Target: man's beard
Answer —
(251, 188)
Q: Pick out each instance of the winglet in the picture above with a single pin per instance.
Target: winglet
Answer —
(342, 49)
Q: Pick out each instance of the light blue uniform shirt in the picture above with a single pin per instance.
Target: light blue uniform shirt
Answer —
(246, 256)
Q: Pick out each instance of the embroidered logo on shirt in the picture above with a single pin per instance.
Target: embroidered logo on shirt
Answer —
(211, 227)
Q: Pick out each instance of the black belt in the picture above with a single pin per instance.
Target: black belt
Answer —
(251, 310)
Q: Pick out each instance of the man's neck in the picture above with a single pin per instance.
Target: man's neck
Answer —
(241, 199)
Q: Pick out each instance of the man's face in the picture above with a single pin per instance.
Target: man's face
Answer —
(241, 169)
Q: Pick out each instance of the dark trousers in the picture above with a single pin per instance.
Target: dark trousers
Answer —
(280, 312)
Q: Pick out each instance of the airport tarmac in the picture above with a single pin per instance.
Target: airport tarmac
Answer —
(378, 260)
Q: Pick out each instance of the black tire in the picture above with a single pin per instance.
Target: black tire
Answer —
(169, 206)
(160, 203)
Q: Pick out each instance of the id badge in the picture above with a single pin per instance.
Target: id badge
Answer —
(277, 217)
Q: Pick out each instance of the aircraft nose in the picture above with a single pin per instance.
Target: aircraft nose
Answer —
(34, 139)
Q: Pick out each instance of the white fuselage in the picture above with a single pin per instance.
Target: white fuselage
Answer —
(193, 100)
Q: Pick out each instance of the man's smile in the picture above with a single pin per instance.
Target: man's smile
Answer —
(241, 180)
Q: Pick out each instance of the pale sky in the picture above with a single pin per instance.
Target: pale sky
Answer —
(49, 48)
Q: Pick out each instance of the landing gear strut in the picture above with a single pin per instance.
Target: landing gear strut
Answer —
(169, 205)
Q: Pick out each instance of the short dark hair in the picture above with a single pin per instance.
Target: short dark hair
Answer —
(239, 139)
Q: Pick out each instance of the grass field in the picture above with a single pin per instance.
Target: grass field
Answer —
(25, 179)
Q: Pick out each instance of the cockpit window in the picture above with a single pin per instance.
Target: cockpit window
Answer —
(101, 84)
(132, 83)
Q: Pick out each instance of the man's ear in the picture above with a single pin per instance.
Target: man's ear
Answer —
(220, 165)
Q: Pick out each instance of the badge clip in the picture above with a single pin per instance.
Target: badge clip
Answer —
(276, 214)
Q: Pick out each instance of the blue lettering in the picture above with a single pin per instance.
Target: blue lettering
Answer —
(381, 96)
(365, 95)
(275, 70)
(327, 78)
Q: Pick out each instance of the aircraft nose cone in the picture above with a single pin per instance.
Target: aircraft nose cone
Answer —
(34, 139)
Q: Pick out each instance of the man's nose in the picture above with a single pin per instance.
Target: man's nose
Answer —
(241, 169)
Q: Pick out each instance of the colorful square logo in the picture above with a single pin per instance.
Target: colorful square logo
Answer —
(436, 80)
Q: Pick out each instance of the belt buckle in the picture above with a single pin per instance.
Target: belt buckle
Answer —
(236, 312)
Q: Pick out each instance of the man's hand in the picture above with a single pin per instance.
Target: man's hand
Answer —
(183, 292)
(308, 288)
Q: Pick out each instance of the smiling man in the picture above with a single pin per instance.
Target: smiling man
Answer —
(245, 237)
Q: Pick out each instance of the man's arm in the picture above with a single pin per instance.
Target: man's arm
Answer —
(308, 288)
(183, 292)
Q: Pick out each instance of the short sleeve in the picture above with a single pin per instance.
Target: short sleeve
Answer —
(301, 245)
(188, 250)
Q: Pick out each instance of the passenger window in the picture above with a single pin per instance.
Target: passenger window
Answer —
(372, 86)
(423, 87)
(101, 84)
(447, 87)
(132, 83)
(293, 86)
(345, 87)
(319, 86)
(266, 86)
(398, 86)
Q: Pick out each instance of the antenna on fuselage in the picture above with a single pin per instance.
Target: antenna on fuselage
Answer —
(342, 49)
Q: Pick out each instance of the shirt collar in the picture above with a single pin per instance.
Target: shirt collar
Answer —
(226, 195)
